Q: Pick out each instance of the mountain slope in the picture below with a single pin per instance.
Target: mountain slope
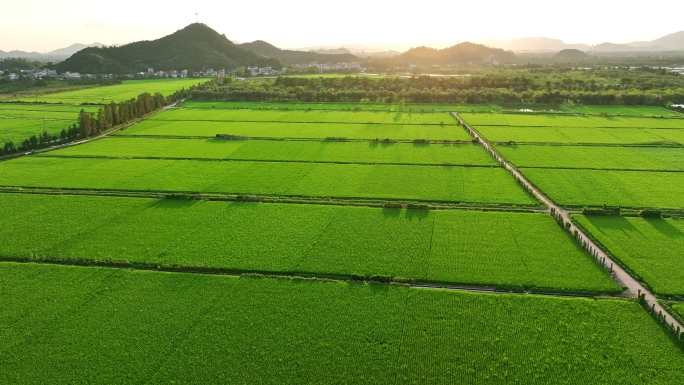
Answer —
(56, 55)
(72, 49)
(194, 47)
(571, 56)
(535, 44)
(290, 57)
(463, 53)
(671, 42)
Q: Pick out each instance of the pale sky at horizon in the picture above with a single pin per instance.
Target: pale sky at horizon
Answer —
(39, 25)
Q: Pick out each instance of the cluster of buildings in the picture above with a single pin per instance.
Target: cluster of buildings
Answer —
(329, 67)
(40, 74)
(151, 73)
(174, 74)
(264, 71)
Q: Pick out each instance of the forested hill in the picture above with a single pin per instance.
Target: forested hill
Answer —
(289, 57)
(463, 53)
(194, 47)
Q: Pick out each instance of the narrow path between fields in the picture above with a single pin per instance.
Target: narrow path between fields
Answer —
(633, 286)
(418, 284)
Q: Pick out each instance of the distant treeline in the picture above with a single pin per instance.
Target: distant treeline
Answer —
(27, 84)
(89, 124)
(629, 87)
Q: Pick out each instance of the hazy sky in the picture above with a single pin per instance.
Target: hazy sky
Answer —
(46, 25)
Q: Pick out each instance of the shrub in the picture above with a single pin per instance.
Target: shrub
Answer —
(604, 211)
(650, 213)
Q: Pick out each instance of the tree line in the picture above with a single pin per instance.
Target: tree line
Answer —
(505, 87)
(93, 124)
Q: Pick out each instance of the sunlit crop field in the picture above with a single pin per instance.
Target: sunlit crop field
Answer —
(129, 89)
(431, 183)
(274, 331)
(398, 107)
(275, 150)
(640, 189)
(299, 130)
(652, 248)
(595, 157)
(521, 250)
(570, 121)
(582, 135)
(20, 121)
(307, 116)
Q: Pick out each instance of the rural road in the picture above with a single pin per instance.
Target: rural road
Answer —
(633, 286)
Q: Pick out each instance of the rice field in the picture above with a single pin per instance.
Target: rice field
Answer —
(21, 121)
(48, 111)
(274, 150)
(639, 189)
(296, 130)
(522, 250)
(300, 106)
(90, 325)
(679, 308)
(307, 116)
(429, 183)
(635, 111)
(570, 121)
(129, 89)
(652, 248)
(570, 135)
(224, 317)
(576, 109)
(595, 157)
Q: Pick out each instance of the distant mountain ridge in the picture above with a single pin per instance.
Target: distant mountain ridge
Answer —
(195, 47)
(463, 53)
(671, 42)
(291, 57)
(56, 55)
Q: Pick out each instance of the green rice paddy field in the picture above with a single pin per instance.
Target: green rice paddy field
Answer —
(33, 111)
(129, 89)
(605, 157)
(302, 116)
(419, 108)
(650, 247)
(21, 121)
(570, 121)
(574, 109)
(653, 111)
(299, 151)
(582, 135)
(679, 308)
(431, 183)
(90, 325)
(639, 189)
(298, 130)
(453, 246)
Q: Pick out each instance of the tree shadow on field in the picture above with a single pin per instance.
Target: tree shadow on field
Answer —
(419, 214)
(173, 203)
(388, 212)
(381, 143)
(665, 228)
(616, 223)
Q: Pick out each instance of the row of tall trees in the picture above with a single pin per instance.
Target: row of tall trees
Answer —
(89, 124)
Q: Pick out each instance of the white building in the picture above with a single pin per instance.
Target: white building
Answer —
(72, 75)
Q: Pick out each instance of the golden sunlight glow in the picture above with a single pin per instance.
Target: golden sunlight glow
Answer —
(47, 25)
